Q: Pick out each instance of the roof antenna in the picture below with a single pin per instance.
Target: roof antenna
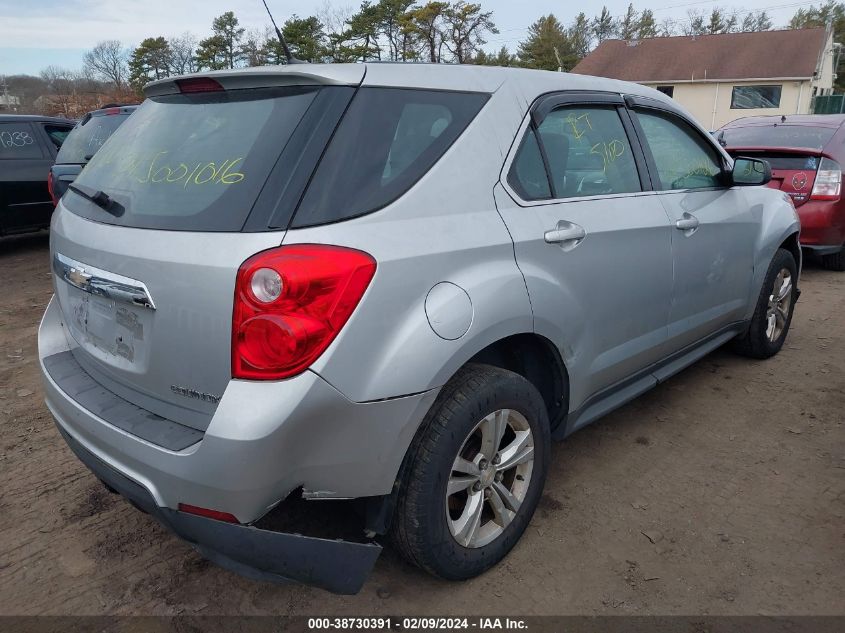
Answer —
(290, 58)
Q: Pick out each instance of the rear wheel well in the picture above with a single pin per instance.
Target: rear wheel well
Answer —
(533, 357)
(536, 359)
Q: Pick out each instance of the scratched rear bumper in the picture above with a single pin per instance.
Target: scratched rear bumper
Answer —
(335, 565)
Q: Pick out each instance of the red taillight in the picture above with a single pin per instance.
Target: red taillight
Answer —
(828, 183)
(51, 189)
(109, 111)
(290, 304)
(198, 84)
(208, 514)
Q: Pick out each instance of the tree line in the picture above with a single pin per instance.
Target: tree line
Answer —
(391, 30)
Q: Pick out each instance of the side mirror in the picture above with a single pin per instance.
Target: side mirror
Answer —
(751, 171)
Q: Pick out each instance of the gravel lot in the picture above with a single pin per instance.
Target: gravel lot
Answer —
(719, 492)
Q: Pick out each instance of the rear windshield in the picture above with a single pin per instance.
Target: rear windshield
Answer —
(779, 136)
(193, 162)
(793, 162)
(388, 139)
(87, 137)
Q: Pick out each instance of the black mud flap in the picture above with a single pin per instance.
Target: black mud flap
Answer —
(336, 565)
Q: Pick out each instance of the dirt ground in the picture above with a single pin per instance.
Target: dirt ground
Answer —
(720, 492)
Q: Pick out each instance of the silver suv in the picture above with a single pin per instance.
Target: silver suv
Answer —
(390, 285)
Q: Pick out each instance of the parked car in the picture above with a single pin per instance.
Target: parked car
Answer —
(393, 284)
(82, 143)
(806, 154)
(28, 146)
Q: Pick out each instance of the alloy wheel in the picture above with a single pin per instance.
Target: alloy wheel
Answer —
(780, 303)
(490, 478)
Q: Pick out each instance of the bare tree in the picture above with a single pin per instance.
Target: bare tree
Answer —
(667, 28)
(334, 18)
(61, 84)
(182, 50)
(254, 46)
(696, 23)
(108, 61)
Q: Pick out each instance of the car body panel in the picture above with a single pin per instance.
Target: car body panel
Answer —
(336, 565)
(25, 203)
(263, 76)
(713, 264)
(328, 445)
(581, 297)
(63, 174)
(822, 221)
(778, 221)
(184, 342)
(341, 429)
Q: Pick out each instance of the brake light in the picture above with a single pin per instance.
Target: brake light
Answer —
(198, 84)
(109, 111)
(208, 514)
(828, 183)
(290, 304)
(50, 188)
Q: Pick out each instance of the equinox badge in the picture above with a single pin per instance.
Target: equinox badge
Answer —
(193, 393)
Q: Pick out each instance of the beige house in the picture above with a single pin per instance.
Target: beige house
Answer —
(719, 78)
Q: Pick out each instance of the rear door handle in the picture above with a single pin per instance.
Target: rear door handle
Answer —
(565, 234)
(687, 223)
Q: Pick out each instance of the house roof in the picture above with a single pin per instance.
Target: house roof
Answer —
(791, 53)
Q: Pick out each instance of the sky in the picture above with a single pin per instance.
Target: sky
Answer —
(38, 33)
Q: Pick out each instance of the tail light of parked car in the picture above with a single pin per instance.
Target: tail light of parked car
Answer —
(51, 188)
(828, 183)
(290, 304)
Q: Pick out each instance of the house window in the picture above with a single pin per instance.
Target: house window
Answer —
(667, 90)
(748, 97)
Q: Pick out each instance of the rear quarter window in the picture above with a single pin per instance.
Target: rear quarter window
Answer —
(57, 133)
(17, 141)
(388, 139)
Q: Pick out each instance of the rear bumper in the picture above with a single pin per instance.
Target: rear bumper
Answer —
(822, 225)
(338, 566)
(822, 250)
(264, 441)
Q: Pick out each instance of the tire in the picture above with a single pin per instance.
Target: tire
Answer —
(836, 261)
(424, 513)
(759, 341)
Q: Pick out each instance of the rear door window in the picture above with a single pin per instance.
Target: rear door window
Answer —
(17, 141)
(388, 139)
(588, 152)
(194, 162)
(87, 137)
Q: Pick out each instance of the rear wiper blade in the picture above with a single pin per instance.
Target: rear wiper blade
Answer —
(100, 198)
